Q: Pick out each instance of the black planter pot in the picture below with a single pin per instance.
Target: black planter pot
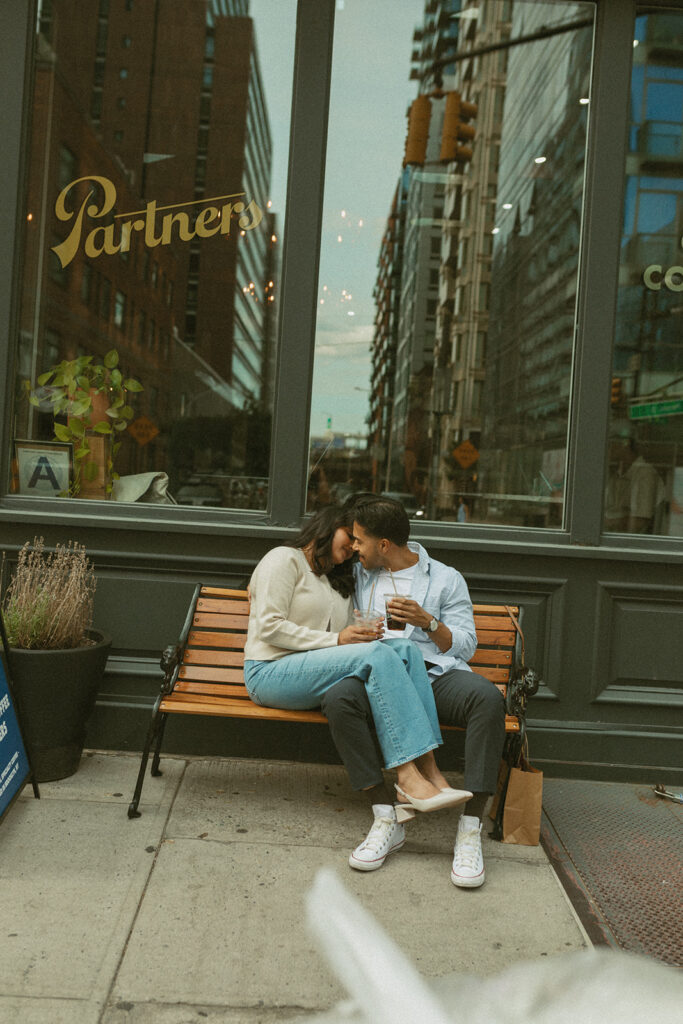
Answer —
(55, 693)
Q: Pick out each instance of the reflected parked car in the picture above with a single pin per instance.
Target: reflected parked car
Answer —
(202, 494)
(409, 502)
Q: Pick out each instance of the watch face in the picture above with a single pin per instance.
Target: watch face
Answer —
(433, 626)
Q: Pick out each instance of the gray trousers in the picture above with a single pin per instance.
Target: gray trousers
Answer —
(462, 698)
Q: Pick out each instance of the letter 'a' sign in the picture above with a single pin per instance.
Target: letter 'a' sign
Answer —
(14, 766)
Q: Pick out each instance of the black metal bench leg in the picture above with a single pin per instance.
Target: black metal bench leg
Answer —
(156, 770)
(154, 725)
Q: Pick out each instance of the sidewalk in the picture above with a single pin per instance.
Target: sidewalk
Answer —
(193, 913)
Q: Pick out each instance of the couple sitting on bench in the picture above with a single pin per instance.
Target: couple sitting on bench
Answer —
(304, 650)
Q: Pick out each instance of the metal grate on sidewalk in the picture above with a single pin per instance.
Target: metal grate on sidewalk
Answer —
(618, 850)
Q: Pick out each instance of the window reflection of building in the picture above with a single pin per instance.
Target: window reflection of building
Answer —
(510, 264)
(407, 288)
(387, 295)
(165, 101)
(535, 264)
(484, 334)
(469, 210)
(648, 354)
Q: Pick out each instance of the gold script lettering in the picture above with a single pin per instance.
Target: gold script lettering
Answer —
(255, 213)
(101, 239)
(201, 225)
(67, 249)
(184, 230)
(108, 245)
(226, 215)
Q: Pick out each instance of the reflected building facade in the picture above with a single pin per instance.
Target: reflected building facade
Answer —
(505, 335)
(414, 232)
(387, 296)
(465, 272)
(534, 268)
(166, 102)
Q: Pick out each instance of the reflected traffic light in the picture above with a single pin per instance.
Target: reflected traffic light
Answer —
(418, 132)
(456, 130)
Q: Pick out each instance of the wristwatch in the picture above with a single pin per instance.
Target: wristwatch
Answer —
(433, 626)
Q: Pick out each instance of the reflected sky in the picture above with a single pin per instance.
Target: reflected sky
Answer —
(370, 94)
(275, 25)
(369, 97)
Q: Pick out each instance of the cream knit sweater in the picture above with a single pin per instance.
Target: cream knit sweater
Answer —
(292, 609)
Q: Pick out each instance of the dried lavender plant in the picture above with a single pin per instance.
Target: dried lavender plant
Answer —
(49, 602)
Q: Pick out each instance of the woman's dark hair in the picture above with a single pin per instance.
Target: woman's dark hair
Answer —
(319, 532)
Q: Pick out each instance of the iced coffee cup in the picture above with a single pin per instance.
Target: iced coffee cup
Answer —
(368, 619)
(392, 623)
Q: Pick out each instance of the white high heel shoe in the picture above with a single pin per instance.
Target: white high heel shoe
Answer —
(445, 798)
(404, 812)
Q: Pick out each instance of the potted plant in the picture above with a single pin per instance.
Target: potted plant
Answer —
(55, 659)
(90, 399)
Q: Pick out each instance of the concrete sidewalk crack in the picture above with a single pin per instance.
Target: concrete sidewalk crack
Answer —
(115, 973)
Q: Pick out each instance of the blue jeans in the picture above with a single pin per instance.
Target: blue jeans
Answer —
(396, 683)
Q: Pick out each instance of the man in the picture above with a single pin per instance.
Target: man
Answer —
(635, 491)
(438, 617)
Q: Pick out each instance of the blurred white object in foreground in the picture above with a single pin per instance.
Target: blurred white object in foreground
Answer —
(591, 987)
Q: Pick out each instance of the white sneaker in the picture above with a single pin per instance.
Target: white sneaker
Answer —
(385, 836)
(468, 862)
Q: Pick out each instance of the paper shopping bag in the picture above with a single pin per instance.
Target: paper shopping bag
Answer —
(523, 803)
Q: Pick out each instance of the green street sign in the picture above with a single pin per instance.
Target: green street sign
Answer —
(653, 410)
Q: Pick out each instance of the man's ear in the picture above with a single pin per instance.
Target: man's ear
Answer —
(383, 546)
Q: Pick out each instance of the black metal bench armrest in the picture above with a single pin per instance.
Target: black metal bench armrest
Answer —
(170, 659)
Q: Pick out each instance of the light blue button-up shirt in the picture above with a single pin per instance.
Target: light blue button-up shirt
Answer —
(441, 591)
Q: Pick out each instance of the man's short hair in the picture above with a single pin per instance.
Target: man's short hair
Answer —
(383, 518)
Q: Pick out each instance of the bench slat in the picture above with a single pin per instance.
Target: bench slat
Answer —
(191, 704)
(496, 675)
(209, 657)
(211, 674)
(498, 622)
(484, 657)
(496, 637)
(201, 638)
(220, 621)
(224, 592)
(496, 609)
(237, 690)
(217, 607)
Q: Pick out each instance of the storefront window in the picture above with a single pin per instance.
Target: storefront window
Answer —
(645, 472)
(154, 217)
(448, 286)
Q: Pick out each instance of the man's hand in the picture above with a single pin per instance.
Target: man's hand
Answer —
(404, 609)
(356, 635)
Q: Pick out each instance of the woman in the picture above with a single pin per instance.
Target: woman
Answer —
(302, 640)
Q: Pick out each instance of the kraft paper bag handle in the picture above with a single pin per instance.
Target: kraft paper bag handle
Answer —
(517, 626)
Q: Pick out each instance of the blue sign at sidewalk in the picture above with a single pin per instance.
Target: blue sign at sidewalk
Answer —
(14, 766)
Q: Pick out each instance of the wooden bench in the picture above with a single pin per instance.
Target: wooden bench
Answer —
(203, 672)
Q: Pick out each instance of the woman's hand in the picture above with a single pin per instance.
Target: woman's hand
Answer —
(356, 635)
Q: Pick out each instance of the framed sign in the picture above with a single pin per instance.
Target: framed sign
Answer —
(15, 769)
(44, 468)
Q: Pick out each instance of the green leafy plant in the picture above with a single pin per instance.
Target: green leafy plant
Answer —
(71, 389)
(49, 601)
